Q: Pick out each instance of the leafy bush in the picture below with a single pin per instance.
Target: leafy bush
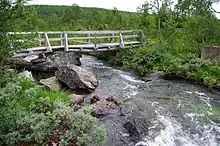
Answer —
(29, 113)
(193, 68)
(145, 60)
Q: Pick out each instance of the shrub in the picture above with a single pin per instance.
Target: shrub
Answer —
(29, 113)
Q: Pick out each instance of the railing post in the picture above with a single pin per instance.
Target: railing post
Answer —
(95, 41)
(61, 39)
(142, 38)
(39, 38)
(121, 43)
(113, 35)
(66, 42)
(47, 42)
(88, 40)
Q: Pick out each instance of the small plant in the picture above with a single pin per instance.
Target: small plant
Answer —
(30, 113)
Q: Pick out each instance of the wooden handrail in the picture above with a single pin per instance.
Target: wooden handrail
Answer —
(85, 39)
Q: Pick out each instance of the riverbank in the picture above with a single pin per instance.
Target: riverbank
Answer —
(147, 60)
(39, 111)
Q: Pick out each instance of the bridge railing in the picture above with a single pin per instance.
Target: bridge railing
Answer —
(77, 39)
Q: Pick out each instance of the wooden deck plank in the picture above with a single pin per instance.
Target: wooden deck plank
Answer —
(78, 48)
(86, 46)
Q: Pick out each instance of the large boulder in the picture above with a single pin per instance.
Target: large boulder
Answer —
(51, 83)
(48, 62)
(77, 78)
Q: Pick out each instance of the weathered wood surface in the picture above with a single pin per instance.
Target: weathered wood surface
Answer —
(211, 52)
(80, 41)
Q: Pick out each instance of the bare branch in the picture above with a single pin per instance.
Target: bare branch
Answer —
(213, 10)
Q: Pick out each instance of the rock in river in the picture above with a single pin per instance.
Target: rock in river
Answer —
(77, 78)
(153, 77)
(76, 99)
(104, 108)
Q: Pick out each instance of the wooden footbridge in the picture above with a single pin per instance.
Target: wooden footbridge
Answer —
(77, 41)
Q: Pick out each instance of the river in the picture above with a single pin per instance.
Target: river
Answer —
(158, 113)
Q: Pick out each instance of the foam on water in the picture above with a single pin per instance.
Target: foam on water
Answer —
(131, 79)
(174, 134)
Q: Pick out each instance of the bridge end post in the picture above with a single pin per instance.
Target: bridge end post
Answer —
(142, 38)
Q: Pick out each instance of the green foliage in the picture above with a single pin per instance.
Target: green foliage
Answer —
(79, 18)
(29, 113)
(14, 17)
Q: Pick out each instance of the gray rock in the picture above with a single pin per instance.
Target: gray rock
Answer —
(51, 83)
(153, 77)
(31, 58)
(95, 99)
(46, 62)
(53, 61)
(77, 78)
(76, 99)
(104, 108)
(115, 100)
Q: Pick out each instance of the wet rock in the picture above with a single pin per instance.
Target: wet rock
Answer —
(153, 77)
(77, 78)
(51, 83)
(95, 99)
(104, 108)
(132, 130)
(217, 87)
(76, 99)
(19, 63)
(115, 100)
(46, 62)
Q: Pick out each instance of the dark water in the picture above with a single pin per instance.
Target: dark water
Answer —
(166, 113)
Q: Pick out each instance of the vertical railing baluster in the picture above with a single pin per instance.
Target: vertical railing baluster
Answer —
(88, 40)
(39, 39)
(66, 42)
(95, 41)
(121, 43)
(61, 39)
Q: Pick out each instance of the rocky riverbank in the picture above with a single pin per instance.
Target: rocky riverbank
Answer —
(147, 111)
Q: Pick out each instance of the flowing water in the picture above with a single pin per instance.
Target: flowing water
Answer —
(162, 113)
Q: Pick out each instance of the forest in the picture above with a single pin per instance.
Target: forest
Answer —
(175, 35)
